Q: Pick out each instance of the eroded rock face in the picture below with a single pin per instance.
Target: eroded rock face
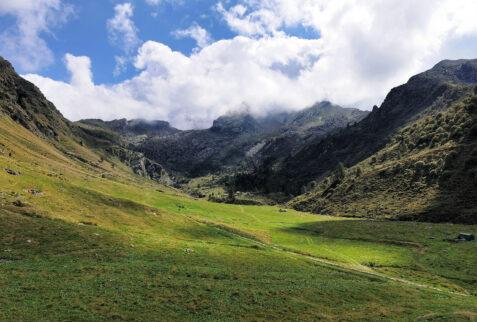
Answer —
(235, 124)
(141, 165)
(234, 141)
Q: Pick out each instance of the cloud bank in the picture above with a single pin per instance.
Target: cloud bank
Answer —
(365, 49)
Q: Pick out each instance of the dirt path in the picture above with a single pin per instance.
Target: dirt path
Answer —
(315, 259)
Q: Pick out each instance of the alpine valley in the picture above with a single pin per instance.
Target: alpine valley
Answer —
(326, 213)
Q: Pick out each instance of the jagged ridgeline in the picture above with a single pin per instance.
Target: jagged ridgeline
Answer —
(233, 142)
(414, 157)
(425, 94)
(427, 172)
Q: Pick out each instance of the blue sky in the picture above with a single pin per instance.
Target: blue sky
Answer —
(86, 34)
(190, 61)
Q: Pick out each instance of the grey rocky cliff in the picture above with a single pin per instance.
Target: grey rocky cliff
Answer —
(141, 165)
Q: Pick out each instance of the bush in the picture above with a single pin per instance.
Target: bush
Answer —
(313, 185)
(339, 173)
(420, 165)
(433, 174)
(397, 169)
(456, 131)
(445, 176)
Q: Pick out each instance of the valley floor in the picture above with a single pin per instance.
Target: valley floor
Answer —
(83, 242)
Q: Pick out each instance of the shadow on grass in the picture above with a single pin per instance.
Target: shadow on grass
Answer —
(29, 237)
(397, 233)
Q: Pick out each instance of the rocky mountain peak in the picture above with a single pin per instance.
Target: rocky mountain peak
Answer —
(235, 124)
(5, 67)
(461, 71)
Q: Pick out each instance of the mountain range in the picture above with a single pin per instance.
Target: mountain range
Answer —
(233, 140)
(108, 220)
(298, 153)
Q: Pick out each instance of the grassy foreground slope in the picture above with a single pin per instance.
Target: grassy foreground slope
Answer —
(83, 240)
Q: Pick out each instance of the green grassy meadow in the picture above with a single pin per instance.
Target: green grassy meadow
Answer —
(99, 243)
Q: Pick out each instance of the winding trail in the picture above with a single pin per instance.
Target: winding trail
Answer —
(322, 261)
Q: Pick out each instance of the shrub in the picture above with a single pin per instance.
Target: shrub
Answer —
(397, 169)
(445, 176)
(433, 173)
(456, 131)
(452, 155)
(420, 165)
(313, 185)
(434, 165)
(339, 173)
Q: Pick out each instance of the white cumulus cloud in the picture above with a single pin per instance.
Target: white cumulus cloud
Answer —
(23, 44)
(81, 98)
(196, 32)
(365, 49)
(121, 28)
(122, 32)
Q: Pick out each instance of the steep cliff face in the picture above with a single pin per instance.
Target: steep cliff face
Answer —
(141, 165)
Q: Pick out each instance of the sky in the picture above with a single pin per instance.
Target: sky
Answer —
(191, 61)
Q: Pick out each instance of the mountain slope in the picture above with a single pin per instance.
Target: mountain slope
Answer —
(424, 94)
(84, 238)
(427, 172)
(115, 247)
(26, 105)
(235, 139)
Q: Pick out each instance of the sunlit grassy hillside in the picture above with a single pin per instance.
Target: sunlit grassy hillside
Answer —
(86, 239)
(427, 172)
